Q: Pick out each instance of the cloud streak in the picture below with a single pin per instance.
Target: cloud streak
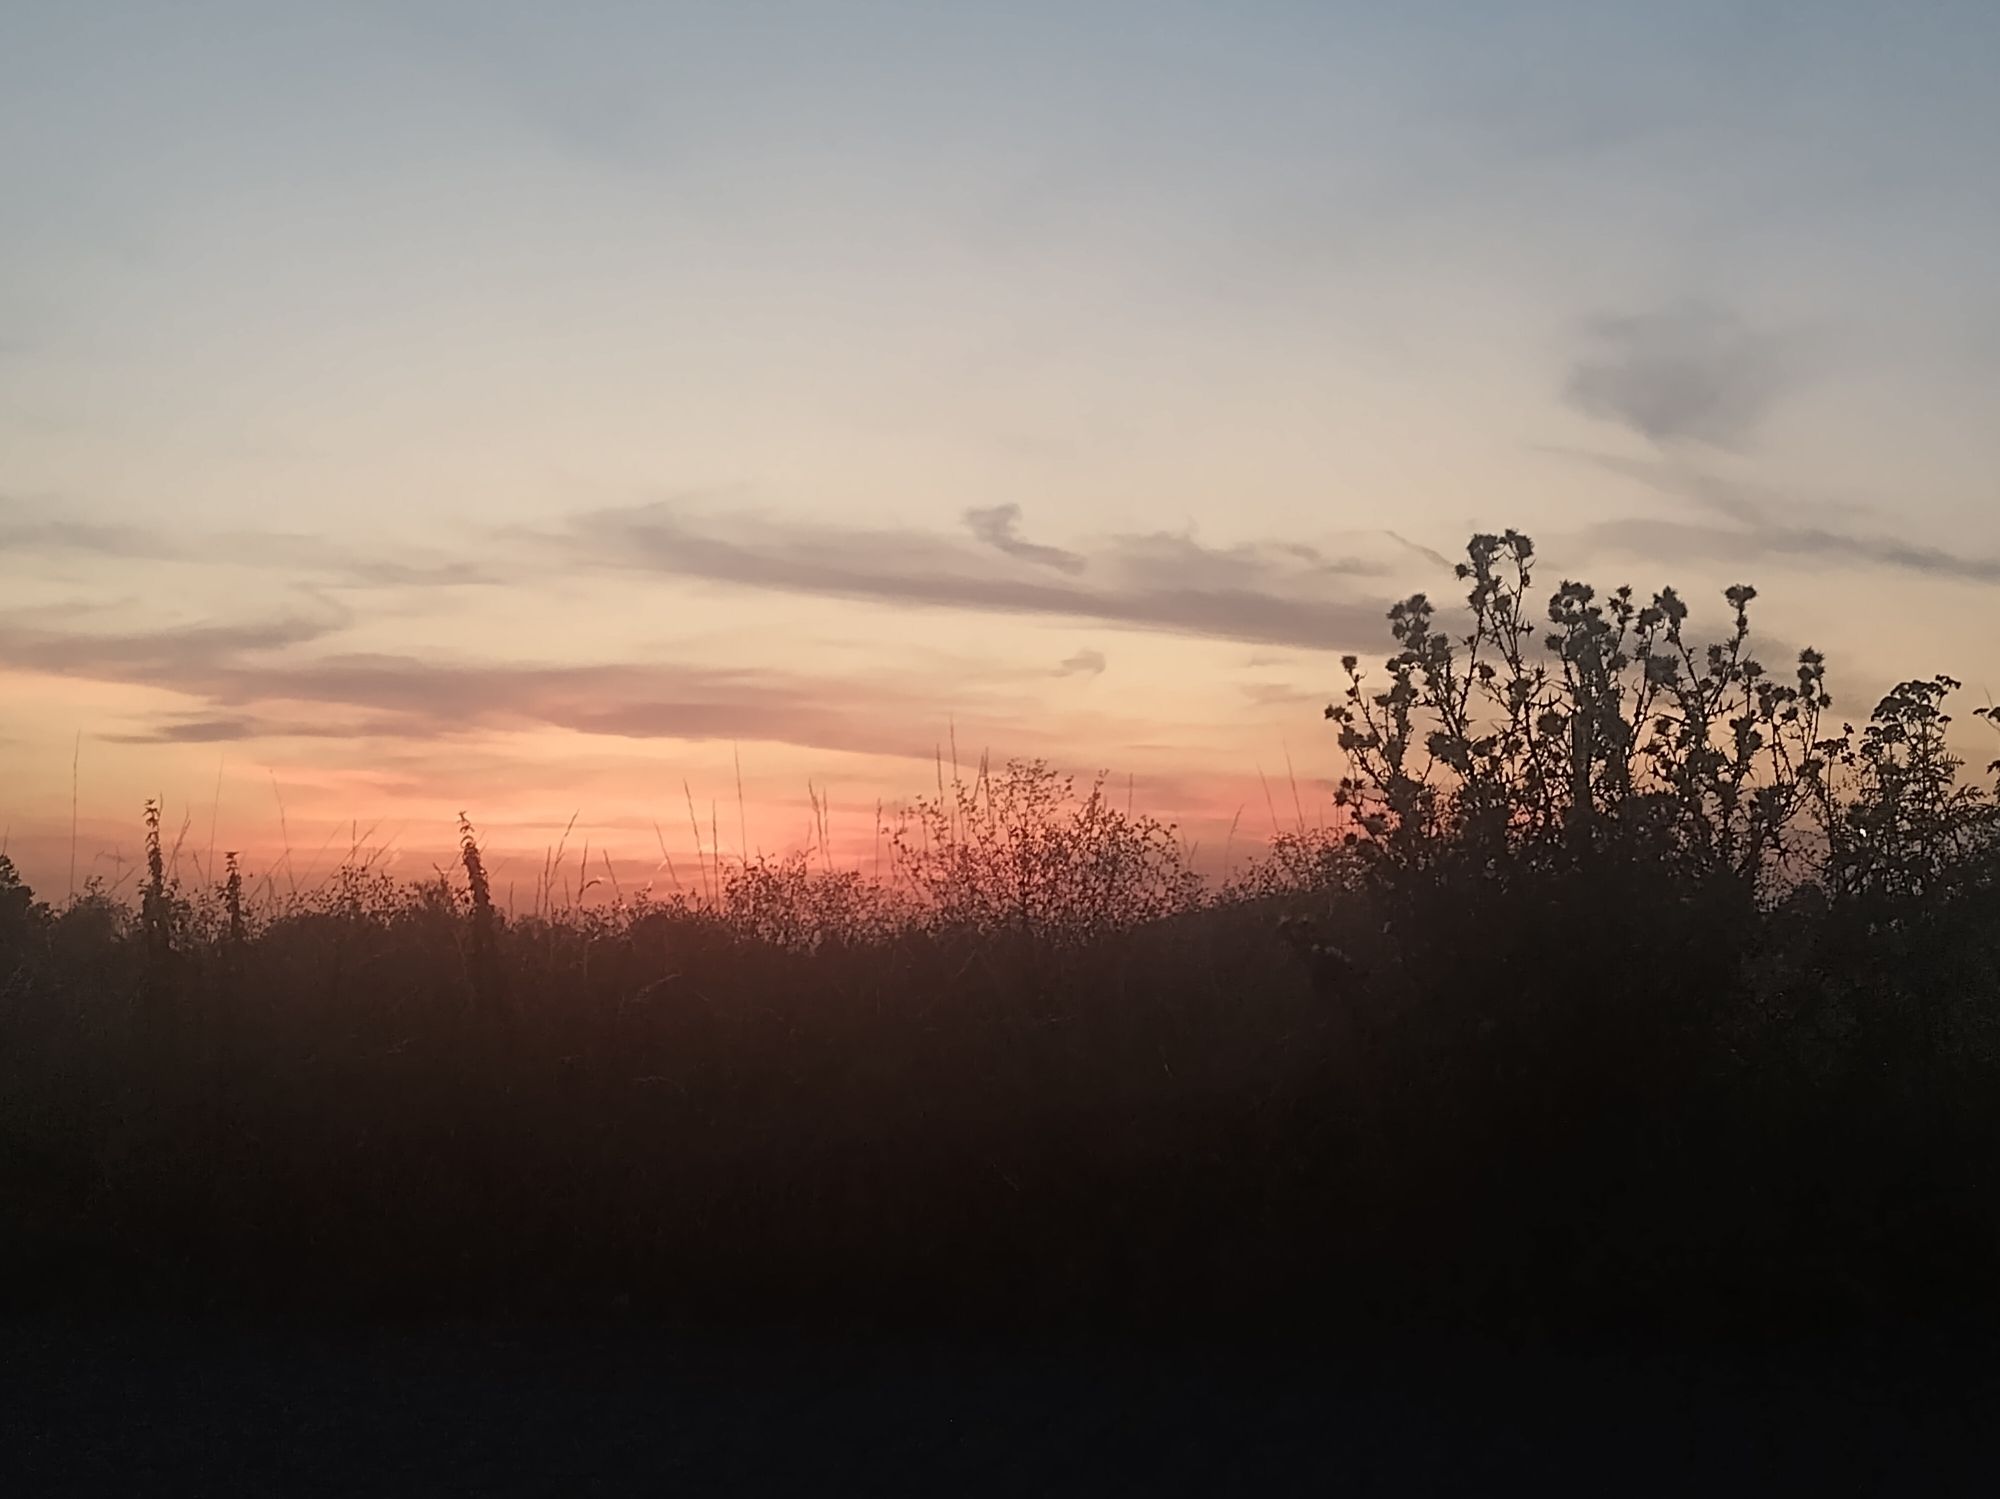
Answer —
(999, 526)
(27, 530)
(165, 658)
(243, 687)
(1085, 663)
(1267, 594)
(1764, 527)
(1658, 538)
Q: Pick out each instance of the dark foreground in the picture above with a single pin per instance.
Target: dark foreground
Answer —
(182, 1408)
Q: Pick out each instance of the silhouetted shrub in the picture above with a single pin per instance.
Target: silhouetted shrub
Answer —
(1017, 852)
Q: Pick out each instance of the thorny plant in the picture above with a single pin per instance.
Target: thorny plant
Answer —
(1552, 734)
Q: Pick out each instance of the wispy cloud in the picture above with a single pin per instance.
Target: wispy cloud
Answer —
(1691, 375)
(234, 728)
(1267, 593)
(1278, 694)
(29, 530)
(167, 658)
(243, 685)
(999, 526)
(1435, 558)
(1676, 477)
(1762, 543)
(1763, 525)
(1085, 663)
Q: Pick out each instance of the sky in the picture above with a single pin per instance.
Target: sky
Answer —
(590, 412)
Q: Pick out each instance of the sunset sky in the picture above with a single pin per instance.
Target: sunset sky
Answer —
(532, 409)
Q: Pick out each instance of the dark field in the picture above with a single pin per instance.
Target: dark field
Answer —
(177, 1408)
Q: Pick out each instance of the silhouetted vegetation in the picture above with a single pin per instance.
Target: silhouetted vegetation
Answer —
(1631, 989)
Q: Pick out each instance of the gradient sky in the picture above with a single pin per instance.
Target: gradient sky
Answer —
(532, 409)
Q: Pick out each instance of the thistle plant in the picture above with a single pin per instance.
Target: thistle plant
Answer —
(1910, 825)
(1545, 737)
(155, 902)
(232, 900)
(485, 967)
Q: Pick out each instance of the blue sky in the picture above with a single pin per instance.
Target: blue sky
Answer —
(657, 383)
